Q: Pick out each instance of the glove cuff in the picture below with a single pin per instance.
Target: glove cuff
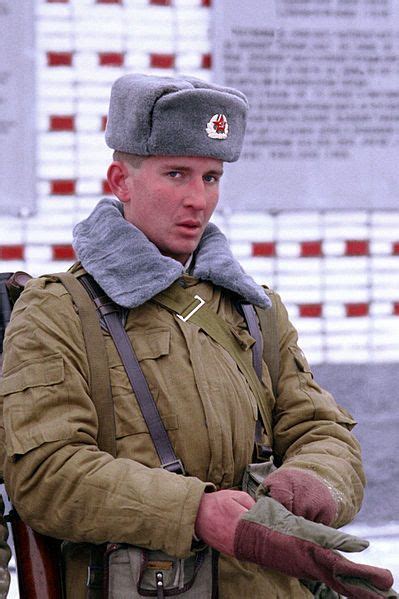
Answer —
(303, 493)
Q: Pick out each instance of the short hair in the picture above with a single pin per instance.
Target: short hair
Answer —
(132, 159)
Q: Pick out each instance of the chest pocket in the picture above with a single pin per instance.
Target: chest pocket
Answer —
(34, 412)
(151, 348)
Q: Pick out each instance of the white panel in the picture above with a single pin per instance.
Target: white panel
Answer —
(385, 294)
(48, 28)
(346, 218)
(347, 263)
(253, 234)
(55, 75)
(57, 42)
(348, 354)
(298, 281)
(56, 167)
(12, 265)
(50, 11)
(347, 231)
(288, 250)
(89, 186)
(390, 263)
(313, 296)
(311, 329)
(38, 253)
(57, 204)
(333, 248)
(301, 265)
(11, 230)
(386, 219)
(382, 247)
(346, 280)
(241, 250)
(380, 308)
(336, 327)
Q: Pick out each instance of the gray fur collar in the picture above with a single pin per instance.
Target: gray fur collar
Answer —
(131, 269)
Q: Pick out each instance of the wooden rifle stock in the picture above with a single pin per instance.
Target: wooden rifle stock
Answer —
(38, 561)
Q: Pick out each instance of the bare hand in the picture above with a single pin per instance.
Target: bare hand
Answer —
(218, 516)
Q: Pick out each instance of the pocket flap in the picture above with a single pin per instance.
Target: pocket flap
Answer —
(39, 372)
(151, 345)
(300, 359)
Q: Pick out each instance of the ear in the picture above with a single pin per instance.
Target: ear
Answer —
(116, 175)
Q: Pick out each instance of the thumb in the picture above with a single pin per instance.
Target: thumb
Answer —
(243, 499)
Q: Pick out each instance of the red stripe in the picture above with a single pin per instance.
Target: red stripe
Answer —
(395, 248)
(206, 61)
(59, 59)
(111, 59)
(62, 123)
(105, 187)
(355, 247)
(57, 1)
(11, 252)
(63, 187)
(162, 61)
(109, 1)
(310, 310)
(354, 310)
(206, 2)
(160, 2)
(395, 309)
(63, 252)
(310, 249)
(263, 248)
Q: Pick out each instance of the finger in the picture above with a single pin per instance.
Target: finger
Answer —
(379, 577)
(244, 499)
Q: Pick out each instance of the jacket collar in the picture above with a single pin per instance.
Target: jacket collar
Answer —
(131, 269)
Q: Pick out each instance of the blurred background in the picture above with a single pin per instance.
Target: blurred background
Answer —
(311, 209)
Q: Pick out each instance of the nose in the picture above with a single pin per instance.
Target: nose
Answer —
(195, 195)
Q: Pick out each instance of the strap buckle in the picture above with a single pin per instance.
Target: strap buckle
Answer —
(194, 310)
(262, 453)
(176, 467)
(94, 577)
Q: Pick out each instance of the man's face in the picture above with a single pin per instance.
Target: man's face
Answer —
(171, 200)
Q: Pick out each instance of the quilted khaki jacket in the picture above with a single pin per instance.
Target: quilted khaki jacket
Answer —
(63, 486)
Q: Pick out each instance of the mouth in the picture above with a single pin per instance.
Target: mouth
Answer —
(190, 224)
(190, 229)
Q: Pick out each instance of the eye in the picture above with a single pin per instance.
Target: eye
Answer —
(174, 174)
(211, 179)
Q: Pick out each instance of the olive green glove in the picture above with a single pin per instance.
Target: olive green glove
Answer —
(271, 536)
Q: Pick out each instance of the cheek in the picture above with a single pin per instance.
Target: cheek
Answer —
(212, 202)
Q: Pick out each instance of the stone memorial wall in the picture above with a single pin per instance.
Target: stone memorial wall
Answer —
(322, 79)
(17, 107)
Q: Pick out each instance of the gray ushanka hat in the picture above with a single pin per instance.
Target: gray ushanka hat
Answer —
(178, 116)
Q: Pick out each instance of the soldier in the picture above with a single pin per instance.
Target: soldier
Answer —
(171, 137)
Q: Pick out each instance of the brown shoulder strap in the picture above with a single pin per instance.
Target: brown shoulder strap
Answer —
(98, 366)
(110, 314)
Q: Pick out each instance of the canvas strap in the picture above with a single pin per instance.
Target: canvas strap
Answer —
(271, 344)
(266, 346)
(181, 302)
(111, 315)
(101, 395)
(100, 385)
